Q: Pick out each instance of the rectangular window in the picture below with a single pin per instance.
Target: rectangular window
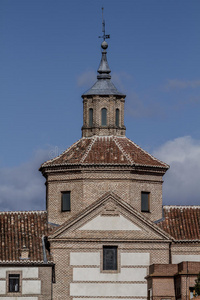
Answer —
(104, 117)
(90, 117)
(66, 205)
(110, 258)
(145, 201)
(14, 283)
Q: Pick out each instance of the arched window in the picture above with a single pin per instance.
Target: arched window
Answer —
(104, 117)
(117, 118)
(90, 117)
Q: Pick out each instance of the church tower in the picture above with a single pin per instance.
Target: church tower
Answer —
(103, 104)
(104, 161)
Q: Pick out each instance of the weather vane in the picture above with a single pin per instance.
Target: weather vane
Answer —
(104, 36)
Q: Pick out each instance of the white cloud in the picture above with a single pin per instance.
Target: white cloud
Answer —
(181, 182)
(87, 79)
(22, 187)
(182, 84)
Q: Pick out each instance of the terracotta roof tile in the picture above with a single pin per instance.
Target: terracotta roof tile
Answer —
(105, 150)
(182, 222)
(22, 230)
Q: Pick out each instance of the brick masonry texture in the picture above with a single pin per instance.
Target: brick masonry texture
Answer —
(61, 252)
(173, 280)
(111, 103)
(88, 187)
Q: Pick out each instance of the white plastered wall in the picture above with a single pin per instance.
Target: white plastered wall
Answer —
(90, 281)
(176, 259)
(31, 284)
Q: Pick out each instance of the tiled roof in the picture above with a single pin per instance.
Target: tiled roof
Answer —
(182, 222)
(21, 230)
(105, 150)
(103, 87)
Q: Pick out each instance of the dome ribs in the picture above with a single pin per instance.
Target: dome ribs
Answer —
(105, 150)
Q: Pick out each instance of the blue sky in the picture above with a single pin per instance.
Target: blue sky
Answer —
(49, 55)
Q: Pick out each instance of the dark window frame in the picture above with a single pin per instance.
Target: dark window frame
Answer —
(145, 201)
(13, 281)
(110, 258)
(65, 197)
(90, 117)
(104, 116)
(117, 117)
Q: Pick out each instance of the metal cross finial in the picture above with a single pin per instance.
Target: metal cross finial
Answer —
(104, 36)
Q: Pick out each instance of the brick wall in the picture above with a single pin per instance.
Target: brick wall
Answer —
(35, 282)
(68, 269)
(172, 280)
(111, 103)
(88, 186)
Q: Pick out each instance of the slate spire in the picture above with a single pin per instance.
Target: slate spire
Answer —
(103, 104)
(104, 69)
(103, 85)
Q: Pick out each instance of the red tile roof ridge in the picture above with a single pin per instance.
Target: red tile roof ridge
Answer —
(25, 262)
(168, 207)
(123, 151)
(55, 158)
(93, 140)
(85, 154)
(24, 212)
(137, 146)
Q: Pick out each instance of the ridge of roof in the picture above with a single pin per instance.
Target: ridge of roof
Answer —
(154, 158)
(86, 154)
(168, 207)
(23, 212)
(26, 262)
(51, 160)
(123, 151)
(93, 139)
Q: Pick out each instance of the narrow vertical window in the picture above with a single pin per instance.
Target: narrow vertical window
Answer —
(117, 117)
(109, 258)
(104, 117)
(13, 283)
(90, 117)
(145, 201)
(65, 201)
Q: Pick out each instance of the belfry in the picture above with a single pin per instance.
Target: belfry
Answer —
(103, 104)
